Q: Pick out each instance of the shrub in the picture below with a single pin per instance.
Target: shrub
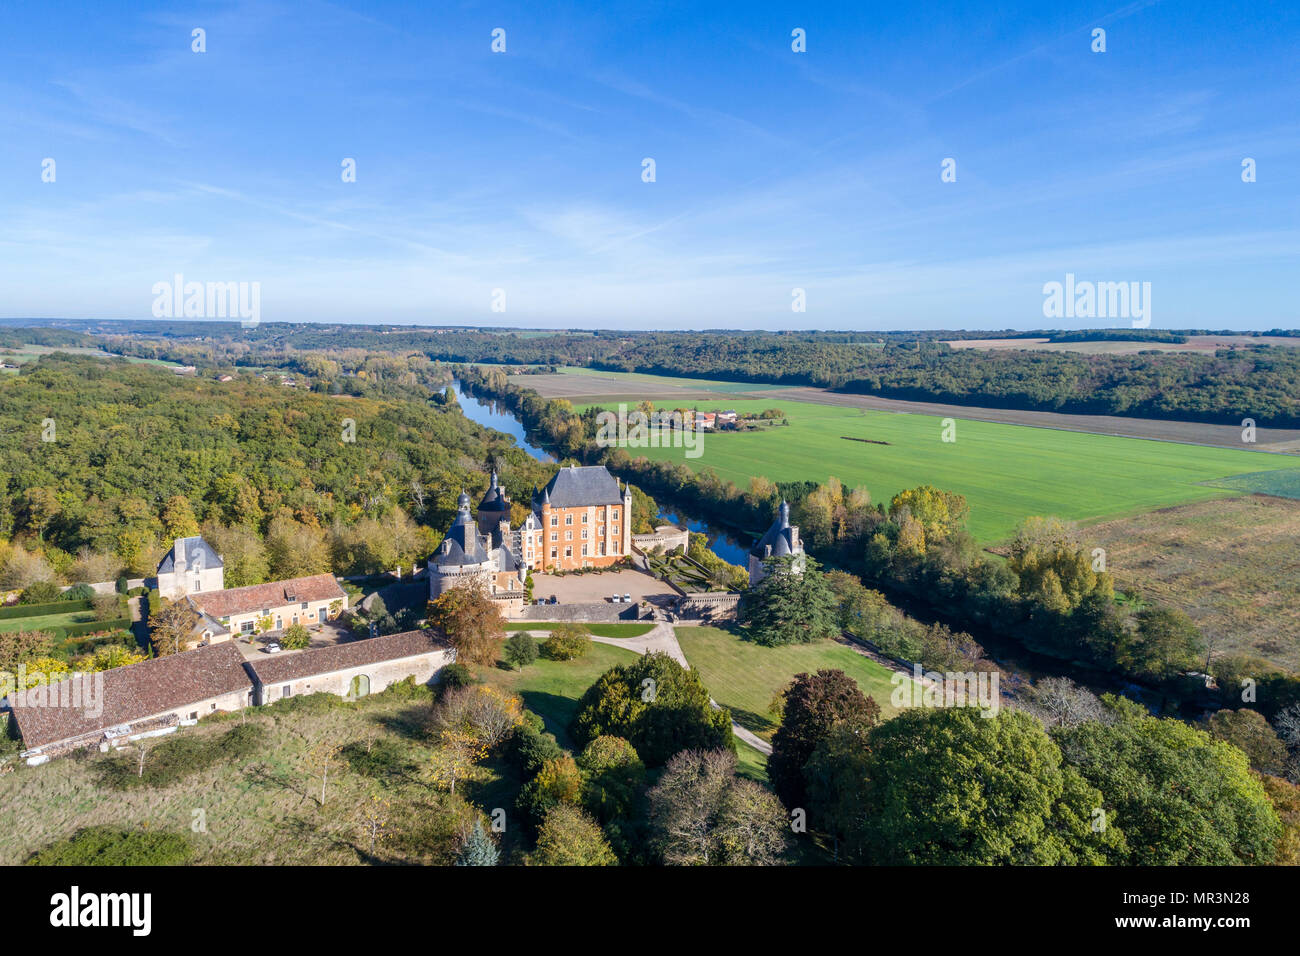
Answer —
(383, 759)
(123, 585)
(531, 748)
(520, 650)
(42, 592)
(406, 689)
(79, 592)
(111, 846)
(568, 642)
(295, 637)
(456, 675)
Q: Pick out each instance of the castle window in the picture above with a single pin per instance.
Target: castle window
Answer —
(555, 520)
(568, 519)
(584, 517)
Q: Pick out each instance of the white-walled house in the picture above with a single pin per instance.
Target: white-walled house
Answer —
(190, 567)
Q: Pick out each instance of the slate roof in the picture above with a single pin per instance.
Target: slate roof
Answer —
(258, 597)
(780, 537)
(495, 499)
(133, 693)
(462, 543)
(580, 486)
(338, 657)
(194, 547)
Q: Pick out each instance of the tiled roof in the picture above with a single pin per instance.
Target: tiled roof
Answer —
(579, 486)
(195, 550)
(287, 666)
(133, 693)
(256, 597)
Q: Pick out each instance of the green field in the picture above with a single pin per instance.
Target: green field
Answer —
(1280, 484)
(744, 677)
(1006, 472)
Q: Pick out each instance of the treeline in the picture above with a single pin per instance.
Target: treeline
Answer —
(1051, 595)
(102, 464)
(1259, 382)
(1262, 383)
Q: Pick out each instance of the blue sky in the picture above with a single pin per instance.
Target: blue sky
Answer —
(774, 169)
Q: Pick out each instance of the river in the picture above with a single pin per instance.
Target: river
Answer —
(491, 414)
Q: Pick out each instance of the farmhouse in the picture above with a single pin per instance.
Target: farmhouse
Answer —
(156, 696)
(353, 669)
(227, 612)
(192, 565)
(581, 519)
(122, 703)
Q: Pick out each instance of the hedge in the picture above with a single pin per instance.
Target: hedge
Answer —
(39, 610)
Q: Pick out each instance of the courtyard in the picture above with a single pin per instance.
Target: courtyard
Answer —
(599, 586)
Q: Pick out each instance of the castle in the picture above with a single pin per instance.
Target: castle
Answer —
(581, 519)
(781, 540)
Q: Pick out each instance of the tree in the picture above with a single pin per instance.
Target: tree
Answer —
(1053, 567)
(557, 781)
(1166, 643)
(477, 849)
(171, 628)
(793, 604)
(1182, 797)
(472, 622)
(949, 786)
(1060, 702)
(1248, 731)
(835, 777)
(455, 754)
(178, 518)
(702, 814)
(613, 778)
(567, 642)
(295, 637)
(568, 837)
(655, 704)
(484, 713)
(812, 705)
(520, 650)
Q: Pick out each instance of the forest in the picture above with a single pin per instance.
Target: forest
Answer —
(103, 463)
(1261, 382)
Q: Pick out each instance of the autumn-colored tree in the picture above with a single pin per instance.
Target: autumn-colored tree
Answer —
(171, 628)
(568, 837)
(472, 622)
(178, 518)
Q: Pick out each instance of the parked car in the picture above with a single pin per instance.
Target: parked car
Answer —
(554, 599)
(272, 647)
(627, 599)
(615, 598)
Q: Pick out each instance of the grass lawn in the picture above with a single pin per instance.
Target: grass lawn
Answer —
(750, 763)
(744, 677)
(551, 688)
(45, 621)
(1006, 472)
(611, 629)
